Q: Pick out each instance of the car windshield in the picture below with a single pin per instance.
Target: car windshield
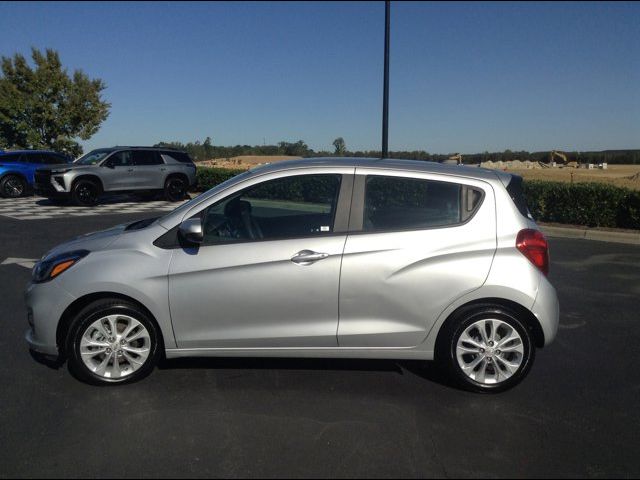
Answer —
(93, 157)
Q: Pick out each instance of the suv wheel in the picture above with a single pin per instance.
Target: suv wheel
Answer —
(486, 349)
(175, 189)
(112, 341)
(85, 193)
(12, 186)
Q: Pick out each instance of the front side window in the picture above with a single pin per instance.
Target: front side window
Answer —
(290, 207)
(400, 203)
(121, 159)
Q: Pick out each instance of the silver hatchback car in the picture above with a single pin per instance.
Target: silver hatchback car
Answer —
(351, 258)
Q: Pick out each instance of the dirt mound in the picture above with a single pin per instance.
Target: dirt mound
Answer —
(245, 161)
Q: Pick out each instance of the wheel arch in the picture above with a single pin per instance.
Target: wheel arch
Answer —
(87, 176)
(78, 304)
(523, 313)
(181, 175)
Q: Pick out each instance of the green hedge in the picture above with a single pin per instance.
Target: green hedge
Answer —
(210, 177)
(590, 204)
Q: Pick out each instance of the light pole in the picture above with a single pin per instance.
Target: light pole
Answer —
(385, 94)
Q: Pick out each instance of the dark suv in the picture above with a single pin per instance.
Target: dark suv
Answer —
(17, 168)
(119, 169)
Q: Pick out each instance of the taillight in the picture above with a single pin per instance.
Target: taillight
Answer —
(534, 246)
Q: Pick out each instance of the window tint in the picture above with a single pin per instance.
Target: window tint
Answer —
(517, 195)
(146, 157)
(121, 159)
(398, 203)
(300, 206)
(11, 157)
(36, 158)
(172, 157)
(54, 158)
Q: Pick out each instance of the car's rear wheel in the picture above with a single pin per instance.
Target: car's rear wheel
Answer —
(85, 193)
(175, 189)
(112, 342)
(486, 349)
(13, 186)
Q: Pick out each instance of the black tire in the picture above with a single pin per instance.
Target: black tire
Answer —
(89, 315)
(13, 186)
(175, 189)
(85, 193)
(453, 329)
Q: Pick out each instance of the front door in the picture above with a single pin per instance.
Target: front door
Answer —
(118, 172)
(267, 274)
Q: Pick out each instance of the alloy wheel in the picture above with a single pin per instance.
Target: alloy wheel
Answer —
(115, 346)
(490, 351)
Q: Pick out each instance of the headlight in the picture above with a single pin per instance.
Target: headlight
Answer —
(58, 171)
(48, 269)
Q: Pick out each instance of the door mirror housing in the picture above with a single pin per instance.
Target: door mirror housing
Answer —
(191, 230)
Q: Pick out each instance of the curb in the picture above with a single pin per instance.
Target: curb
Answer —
(591, 234)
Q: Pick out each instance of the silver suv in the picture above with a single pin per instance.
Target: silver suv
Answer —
(354, 258)
(118, 169)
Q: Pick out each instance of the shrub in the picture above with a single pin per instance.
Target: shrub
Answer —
(210, 177)
(590, 204)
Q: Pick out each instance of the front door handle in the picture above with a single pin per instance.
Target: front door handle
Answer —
(130, 170)
(307, 257)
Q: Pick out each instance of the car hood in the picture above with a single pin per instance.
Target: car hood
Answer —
(93, 242)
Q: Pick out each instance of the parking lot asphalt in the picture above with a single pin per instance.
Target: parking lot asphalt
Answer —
(576, 415)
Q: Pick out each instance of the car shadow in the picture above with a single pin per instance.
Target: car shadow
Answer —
(427, 370)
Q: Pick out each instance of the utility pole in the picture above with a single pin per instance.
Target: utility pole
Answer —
(385, 94)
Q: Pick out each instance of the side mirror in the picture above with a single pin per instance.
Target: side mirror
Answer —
(191, 230)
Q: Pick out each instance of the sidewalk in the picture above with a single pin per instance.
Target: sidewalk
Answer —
(603, 235)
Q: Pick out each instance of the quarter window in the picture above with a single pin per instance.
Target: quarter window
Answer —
(290, 207)
(399, 203)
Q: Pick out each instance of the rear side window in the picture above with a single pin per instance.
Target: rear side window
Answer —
(53, 159)
(146, 157)
(11, 157)
(517, 195)
(173, 157)
(401, 203)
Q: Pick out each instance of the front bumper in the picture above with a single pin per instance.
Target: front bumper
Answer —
(46, 302)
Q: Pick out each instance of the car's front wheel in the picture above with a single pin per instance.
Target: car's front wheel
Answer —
(85, 193)
(111, 342)
(12, 186)
(486, 349)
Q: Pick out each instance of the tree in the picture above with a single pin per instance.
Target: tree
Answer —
(208, 148)
(45, 107)
(340, 146)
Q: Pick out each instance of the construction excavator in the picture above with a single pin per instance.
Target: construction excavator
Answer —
(561, 156)
(457, 159)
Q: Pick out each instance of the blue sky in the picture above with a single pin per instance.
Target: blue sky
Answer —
(464, 77)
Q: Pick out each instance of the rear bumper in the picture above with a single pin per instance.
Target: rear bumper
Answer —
(546, 308)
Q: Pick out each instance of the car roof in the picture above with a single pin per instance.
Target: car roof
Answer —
(6, 152)
(120, 147)
(390, 164)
